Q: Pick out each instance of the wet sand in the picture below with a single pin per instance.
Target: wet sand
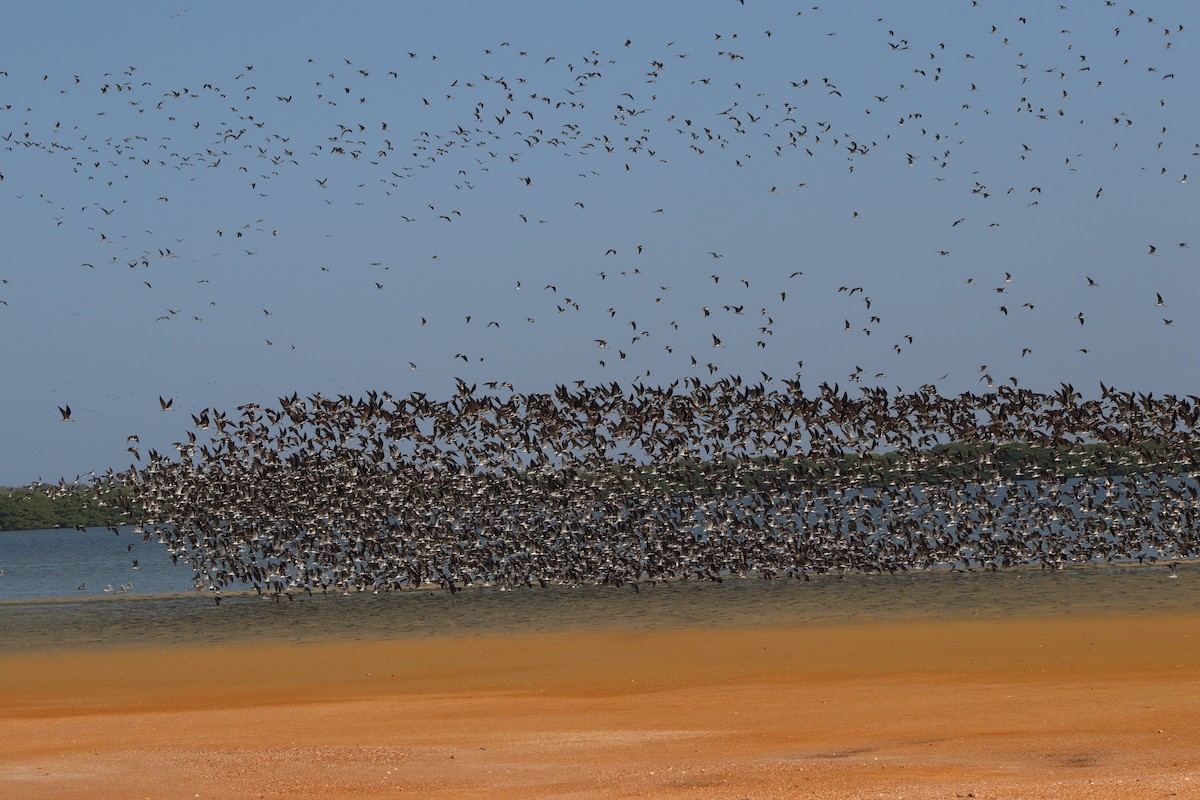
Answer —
(1086, 706)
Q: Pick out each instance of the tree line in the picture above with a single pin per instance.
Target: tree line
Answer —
(33, 508)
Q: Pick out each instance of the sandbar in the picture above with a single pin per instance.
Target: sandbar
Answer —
(1102, 706)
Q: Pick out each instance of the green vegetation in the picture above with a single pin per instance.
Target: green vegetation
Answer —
(33, 508)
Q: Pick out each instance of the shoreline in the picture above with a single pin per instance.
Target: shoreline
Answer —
(133, 621)
(244, 591)
(1104, 705)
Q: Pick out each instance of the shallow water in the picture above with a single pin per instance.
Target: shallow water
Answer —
(140, 620)
(68, 563)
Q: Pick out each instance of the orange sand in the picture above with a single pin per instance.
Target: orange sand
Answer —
(1096, 707)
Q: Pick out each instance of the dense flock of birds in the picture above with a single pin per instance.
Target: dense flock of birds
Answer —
(703, 481)
(597, 482)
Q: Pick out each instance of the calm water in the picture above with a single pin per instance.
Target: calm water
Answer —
(56, 563)
(41, 606)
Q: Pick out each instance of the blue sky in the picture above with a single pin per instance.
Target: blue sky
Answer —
(253, 229)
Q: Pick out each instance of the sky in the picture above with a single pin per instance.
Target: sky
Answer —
(225, 203)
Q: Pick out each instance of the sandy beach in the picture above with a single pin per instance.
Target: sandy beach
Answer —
(1096, 707)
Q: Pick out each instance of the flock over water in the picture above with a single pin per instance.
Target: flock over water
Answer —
(634, 473)
(598, 485)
